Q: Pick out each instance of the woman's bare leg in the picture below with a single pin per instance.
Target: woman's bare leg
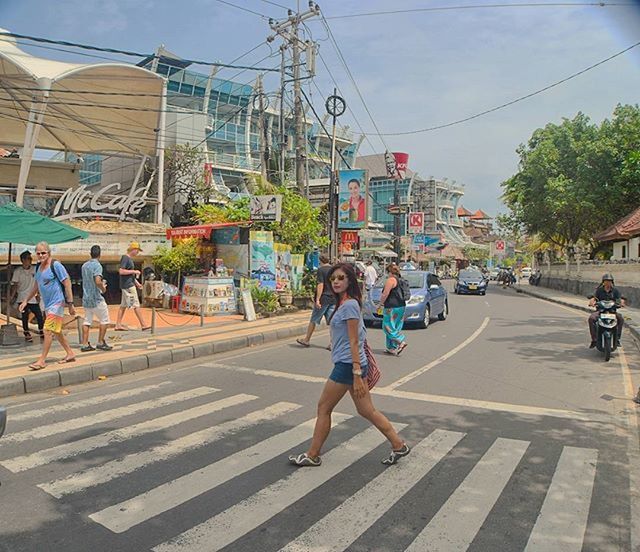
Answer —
(331, 395)
(365, 408)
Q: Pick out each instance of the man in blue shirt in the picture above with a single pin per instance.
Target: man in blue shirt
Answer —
(93, 286)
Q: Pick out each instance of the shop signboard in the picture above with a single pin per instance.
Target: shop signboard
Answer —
(396, 163)
(352, 199)
(417, 242)
(416, 223)
(297, 270)
(266, 208)
(283, 266)
(348, 242)
(263, 259)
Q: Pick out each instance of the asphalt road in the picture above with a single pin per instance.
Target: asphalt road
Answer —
(523, 439)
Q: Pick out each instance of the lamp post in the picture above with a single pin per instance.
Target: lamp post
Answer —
(335, 106)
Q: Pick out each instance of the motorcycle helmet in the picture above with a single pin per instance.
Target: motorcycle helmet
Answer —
(607, 276)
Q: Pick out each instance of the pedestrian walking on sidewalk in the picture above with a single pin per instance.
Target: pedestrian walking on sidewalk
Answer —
(349, 371)
(93, 286)
(54, 285)
(393, 304)
(370, 276)
(22, 283)
(324, 301)
(129, 286)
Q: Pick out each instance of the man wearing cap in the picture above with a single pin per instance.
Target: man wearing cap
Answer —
(21, 284)
(129, 286)
(605, 292)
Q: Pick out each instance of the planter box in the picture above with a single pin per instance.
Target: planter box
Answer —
(303, 302)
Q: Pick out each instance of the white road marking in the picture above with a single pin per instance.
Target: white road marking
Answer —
(105, 415)
(456, 524)
(127, 514)
(562, 520)
(341, 527)
(67, 450)
(230, 525)
(91, 477)
(441, 359)
(271, 373)
(70, 404)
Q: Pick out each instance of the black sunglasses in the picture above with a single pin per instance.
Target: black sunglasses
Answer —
(338, 277)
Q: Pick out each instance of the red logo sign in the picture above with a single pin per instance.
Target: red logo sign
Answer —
(499, 245)
(349, 242)
(416, 223)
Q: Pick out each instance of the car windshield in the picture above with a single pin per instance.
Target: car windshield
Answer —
(415, 279)
(470, 275)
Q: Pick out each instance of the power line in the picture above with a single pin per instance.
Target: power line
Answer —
(520, 99)
(486, 6)
(128, 52)
(353, 80)
(275, 4)
(243, 8)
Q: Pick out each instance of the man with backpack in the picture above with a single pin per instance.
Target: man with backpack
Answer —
(393, 301)
(54, 285)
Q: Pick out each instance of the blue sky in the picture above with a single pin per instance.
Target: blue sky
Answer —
(414, 70)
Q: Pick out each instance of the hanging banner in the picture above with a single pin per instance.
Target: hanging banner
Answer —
(416, 223)
(396, 163)
(263, 259)
(266, 208)
(297, 270)
(348, 242)
(352, 199)
(283, 266)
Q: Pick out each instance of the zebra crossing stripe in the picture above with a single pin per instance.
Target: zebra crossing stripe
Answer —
(456, 524)
(342, 526)
(74, 405)
(562, 520)
(67, 450)
(106, 415)
(97, 475)
(228, 526)
(127, 514)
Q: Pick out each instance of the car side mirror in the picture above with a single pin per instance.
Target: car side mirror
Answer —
(434, 286)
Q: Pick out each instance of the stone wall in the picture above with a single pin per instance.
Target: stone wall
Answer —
(582, 279)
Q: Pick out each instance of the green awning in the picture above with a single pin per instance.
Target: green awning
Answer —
(17, 225)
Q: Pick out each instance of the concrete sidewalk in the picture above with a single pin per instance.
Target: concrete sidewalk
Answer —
(177, 338)
(631, 315)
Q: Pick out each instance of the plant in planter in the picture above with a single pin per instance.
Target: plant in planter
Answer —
(265, 300)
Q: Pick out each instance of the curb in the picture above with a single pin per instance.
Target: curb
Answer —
(633, 329)
(49, 380)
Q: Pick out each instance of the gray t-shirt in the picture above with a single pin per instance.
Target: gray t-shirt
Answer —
(129, 280)
(340, 347)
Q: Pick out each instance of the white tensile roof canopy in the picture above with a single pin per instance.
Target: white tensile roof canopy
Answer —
(75, 118)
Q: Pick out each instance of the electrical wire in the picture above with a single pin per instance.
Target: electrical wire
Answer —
(129, 52)
(486, 6)
(275, 4)
(517, 100)
(243, 8)
(353, 80)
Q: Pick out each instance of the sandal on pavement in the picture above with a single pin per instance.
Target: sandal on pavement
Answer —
(303, 343)
(304, 459)
(145, 328)
(35, 366)
(67, 360)
(401, 348)
(396, 455)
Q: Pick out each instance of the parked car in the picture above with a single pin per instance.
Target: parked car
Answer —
(470, 282)
(3, 419)
(526, 272)
(493, 273)
(428, 300)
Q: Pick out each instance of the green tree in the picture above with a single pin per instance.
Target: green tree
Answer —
(177, 260)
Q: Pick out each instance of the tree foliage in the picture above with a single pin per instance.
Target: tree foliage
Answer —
(576, 178)
(180, 258)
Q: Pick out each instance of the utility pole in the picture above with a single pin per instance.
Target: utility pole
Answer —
(288, 31)
(396, 219)
(262, 128)
(335, 106)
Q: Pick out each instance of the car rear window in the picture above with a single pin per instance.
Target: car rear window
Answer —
(471, 274)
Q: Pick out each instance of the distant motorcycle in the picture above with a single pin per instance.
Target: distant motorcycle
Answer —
(535, 278)
(607, 328)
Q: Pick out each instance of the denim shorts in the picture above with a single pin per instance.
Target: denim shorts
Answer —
(342, 372)
(318, 313)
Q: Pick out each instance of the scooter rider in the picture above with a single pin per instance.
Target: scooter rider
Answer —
(605, 292)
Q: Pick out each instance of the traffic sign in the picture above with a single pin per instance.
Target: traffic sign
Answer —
(416, 223)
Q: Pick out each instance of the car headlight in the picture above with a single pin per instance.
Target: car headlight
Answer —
(482, 284)
(416, 300)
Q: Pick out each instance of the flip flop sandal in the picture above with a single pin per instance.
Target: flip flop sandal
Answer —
(396, 455)
(67, 360)
(145, 328)
(34, 367)
(121, 329)
(300, 342)
(303, 460)
(402, 347)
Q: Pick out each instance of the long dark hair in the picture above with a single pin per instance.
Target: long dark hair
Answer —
(353, 289)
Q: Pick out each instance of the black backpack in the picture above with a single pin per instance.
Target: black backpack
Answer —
(404, 290)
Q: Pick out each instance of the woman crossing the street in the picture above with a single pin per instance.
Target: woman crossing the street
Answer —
(393, 312)
(349, 372)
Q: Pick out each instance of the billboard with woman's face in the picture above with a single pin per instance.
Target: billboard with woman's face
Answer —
(352, 199)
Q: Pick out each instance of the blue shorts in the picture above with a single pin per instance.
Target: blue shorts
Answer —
(342, 372)
(318, 313)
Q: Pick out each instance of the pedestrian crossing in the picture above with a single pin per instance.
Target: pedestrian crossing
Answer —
(73, 451)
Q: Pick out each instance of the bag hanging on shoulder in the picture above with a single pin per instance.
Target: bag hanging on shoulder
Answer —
(404, 290)
(373, 373)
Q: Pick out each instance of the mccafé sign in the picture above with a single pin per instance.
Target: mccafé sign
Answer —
(104, 202)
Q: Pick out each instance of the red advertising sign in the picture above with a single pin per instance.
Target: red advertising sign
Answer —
(348, 242)
(499, 245)
(396, 164)
(416, 223)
